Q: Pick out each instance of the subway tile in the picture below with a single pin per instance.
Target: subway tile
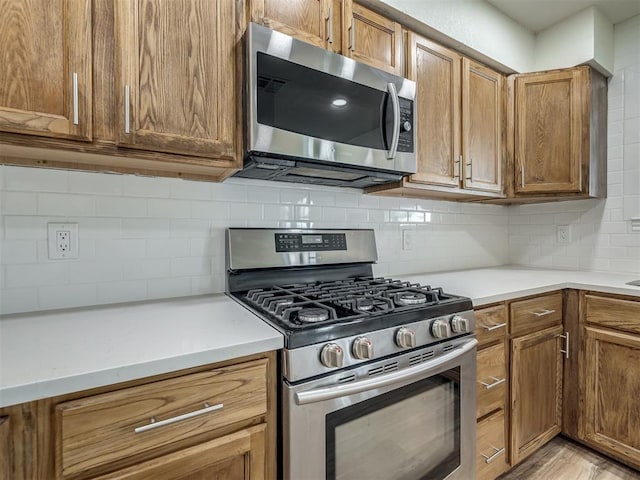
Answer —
(16, 300)
(145, 228)
(18, 251)
(168, 208)
(122, 291)
(147, 268)
(168, 247)
(347, 199)
(67, 296)
(121, 207)
(298, 197)
(308, 212)
(96, 183)
(245, 211)
(279, 212)
(18, 203)
(120, 249)
(169, 287)
(190, 190)
(187, 228)
(66, 205)
(263, 194)
(190, 266)
(35, 275)
(36, 179)
(217, 210)
(95, 271)
(137, 186)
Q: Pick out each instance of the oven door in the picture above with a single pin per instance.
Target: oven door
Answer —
(414, 422)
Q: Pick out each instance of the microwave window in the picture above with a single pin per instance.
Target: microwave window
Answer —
(309, 102)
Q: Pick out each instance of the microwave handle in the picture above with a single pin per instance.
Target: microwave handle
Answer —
(395, 136)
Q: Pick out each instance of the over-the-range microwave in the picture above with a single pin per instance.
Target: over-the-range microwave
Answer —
(313, 116)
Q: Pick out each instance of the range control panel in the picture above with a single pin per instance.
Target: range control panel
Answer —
(310, 242)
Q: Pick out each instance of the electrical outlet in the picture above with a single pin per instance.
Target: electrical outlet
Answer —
(563, 234)
(62, 240)
(407, 239)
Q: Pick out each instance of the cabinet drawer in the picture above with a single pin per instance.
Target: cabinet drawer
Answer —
(613, 313)
(98, 430)
(491, 454)
(491, 324)
(492, 380)
(536, 313)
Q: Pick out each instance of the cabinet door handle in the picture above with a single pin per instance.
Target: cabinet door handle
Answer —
(330, 25)
(470, 165)
(352, 35)
(457, 168)
(543, 313)
(566, 344)
(155, 424)
(495, 327)
(496, 454)
(495, 383)
(75, 98)
(522, 176)
(127, 112)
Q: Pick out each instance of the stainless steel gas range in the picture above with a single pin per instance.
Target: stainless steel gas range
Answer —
(378, 375)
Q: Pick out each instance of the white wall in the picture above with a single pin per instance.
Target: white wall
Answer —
(144, 238)
(601, 233)
(586, 37)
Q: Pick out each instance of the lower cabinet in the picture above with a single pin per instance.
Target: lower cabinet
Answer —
(238, 456)
(214, 422)
(611, 389)
(491, 446)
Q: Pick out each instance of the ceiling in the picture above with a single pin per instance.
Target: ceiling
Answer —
(536, 15)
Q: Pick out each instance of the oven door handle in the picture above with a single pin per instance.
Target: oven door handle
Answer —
(346, 389)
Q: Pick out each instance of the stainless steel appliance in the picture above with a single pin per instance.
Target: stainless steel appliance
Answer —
(378, 375)
(317, 117)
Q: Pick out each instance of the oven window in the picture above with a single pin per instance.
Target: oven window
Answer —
(410, 433)
(313, 103)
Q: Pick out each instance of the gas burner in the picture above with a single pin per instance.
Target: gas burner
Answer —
(313, 315)
(410, 298)
(364, 304)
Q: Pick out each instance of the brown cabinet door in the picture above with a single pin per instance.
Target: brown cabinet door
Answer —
(306, 20)
(176, 77)
(491, 447)
(491, 383)
(436, 71)
(5, 442)
(45, 78)
(483, 100)
(612, 389)
(536, 391)
(373, 39)
(549, 119)
(237, 456)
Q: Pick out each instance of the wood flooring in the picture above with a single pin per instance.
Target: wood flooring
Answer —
(562, 459)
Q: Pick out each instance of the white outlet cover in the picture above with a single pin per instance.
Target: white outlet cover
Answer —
(563, 234)
(52, 234)
(407, 239)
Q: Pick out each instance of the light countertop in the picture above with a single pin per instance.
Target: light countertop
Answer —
(490, 285)
(43, 354)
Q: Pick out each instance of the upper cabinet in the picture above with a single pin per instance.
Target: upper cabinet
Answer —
(373, 39)
(45, 79)
(559, 134)
(175, 76)
(460, 125)
(308, 20)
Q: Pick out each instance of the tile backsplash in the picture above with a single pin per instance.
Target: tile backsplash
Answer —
(144, 238)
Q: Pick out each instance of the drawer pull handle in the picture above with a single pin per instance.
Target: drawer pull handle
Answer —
(495, 383)
(155, 424)
(495, 327)
(496, 454)
(543, 313)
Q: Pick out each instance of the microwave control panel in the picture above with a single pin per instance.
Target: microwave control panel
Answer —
(405, 143)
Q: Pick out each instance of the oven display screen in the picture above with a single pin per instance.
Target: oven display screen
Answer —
(299, 242)
(306, 239)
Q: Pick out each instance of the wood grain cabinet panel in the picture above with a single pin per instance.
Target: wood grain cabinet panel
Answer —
(373, 39)
(559, 134)
(237, 456)
(536, 391)
(491, 391)
(612, 390)
(613, 313)
(491, 458)
(491, 324)
(536, 313)
(483, 103)
(175, 76)
(45, 79)
(5, 445)
(98, 430)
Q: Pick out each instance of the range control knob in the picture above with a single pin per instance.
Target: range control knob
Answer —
(406, 126)
(362, 348)
(405, 338)
(332, 355)
(459, 324)
(440, 329)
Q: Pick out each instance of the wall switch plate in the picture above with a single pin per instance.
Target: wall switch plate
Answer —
(62, 240)
(407, 239)
(563, 234)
